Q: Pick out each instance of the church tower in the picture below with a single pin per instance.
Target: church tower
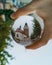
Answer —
(26, 29)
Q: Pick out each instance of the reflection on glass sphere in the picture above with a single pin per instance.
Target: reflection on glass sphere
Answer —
(27, 29)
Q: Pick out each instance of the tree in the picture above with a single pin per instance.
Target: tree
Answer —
(36, 29)
(4, 35)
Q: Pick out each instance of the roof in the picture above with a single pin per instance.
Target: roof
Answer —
(21, 31)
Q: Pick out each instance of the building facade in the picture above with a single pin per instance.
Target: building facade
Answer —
(22, 34)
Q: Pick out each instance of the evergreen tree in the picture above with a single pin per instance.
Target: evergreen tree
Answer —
(36, 29)
(5, 30)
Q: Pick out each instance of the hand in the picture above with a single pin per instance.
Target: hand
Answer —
(47, 35)
(44, 10)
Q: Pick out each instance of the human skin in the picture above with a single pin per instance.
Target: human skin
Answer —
(44, 9)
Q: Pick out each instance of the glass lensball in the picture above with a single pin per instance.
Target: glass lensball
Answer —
(27, 29)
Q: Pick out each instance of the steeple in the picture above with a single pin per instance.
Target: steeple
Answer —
(26, 29)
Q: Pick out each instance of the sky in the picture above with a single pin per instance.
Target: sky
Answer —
(21, 22)
(22, 56)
